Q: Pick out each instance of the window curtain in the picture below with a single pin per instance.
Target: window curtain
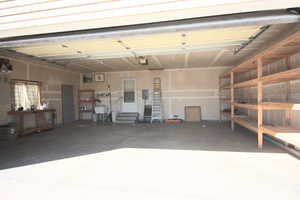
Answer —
(26, 94)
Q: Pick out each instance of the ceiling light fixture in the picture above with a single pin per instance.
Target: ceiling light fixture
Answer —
(123, 45)
(143, 60)
(183, 43)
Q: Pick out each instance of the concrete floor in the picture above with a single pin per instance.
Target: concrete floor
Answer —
(168, 161)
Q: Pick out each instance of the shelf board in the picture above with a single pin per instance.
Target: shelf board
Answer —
(229, 99)
(225, 87)
(227, 114)
(270, 106)
(86, 110)
(246, 122)
(247, 106)
(287, 134)
(226, 99)
(288, 75)
(244, 84)
(274, 130)
(280, 106)
(283, 76)
(240, 116)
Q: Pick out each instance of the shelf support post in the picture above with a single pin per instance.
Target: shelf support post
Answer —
(288, 113)
(259, 103)
(232, 99)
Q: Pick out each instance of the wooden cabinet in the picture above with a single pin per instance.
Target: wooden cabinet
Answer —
(86, 102)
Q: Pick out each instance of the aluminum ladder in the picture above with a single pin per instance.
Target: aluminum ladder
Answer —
(156, 101)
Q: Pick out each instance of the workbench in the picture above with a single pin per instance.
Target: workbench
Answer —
(40, 119)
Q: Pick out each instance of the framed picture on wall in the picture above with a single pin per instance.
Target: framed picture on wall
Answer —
(99, 77)
(87, 77)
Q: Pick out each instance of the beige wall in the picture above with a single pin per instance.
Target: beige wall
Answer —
(182, 87)
(51, 79)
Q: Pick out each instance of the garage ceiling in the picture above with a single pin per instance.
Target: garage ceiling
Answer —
(142, 45)
(169, 50)
(206, 48)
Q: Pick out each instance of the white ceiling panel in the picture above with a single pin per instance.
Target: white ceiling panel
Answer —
(119, 64)
(143, 45)
(206, 48)
(202, 59)
(173, 61)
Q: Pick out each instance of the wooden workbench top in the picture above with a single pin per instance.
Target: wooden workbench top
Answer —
(29, 112)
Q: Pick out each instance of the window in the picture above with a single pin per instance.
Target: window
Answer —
(129, 91)
(25, 94)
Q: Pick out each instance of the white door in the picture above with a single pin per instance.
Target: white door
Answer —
(129, 96)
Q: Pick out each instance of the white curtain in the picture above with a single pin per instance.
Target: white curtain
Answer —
(26, 95)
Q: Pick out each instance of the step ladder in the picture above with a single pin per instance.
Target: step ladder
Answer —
(156, 101)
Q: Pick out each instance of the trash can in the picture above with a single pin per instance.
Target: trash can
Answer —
(95, 117)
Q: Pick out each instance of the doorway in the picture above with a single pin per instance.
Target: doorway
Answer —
(67, 104)
(129, 96)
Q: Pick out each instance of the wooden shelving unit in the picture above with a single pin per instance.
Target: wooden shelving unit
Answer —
(86, 102)
(281, 50)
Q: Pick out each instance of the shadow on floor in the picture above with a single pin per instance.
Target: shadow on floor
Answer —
(87, 138)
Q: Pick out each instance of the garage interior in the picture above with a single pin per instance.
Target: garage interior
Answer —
(149, 99)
